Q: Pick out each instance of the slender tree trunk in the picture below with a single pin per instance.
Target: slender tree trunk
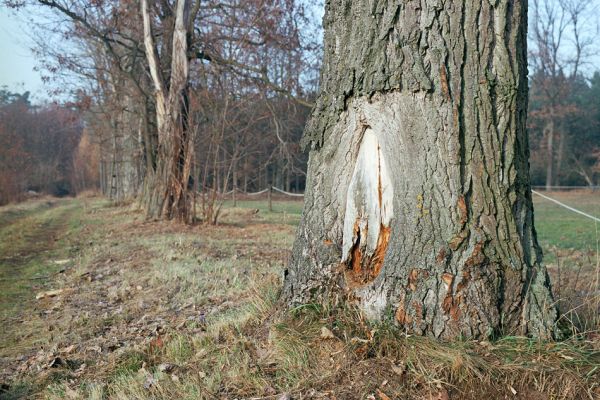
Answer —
(103, 177)
(115, 172)
(297, 183)
(549, 154)
(234, 178)
(418, 200)
(246, 170)
(559, 155)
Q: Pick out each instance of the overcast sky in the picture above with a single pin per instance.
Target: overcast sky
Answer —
(17, 61)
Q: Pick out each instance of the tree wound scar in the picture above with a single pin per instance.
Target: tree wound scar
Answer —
(444, 82)
(369, 209)
(462, 208)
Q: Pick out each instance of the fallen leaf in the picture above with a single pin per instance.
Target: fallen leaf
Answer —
(326, 333)
(68, 349)
(150, 381)
(50, 293)
(97, 349)
(269, 390)
(166, 367)
(382, 395)
(72, 394)
(201, 353)
(80, 370)
(399, 369)
(441, 395)
(56, 362)
(156, 343)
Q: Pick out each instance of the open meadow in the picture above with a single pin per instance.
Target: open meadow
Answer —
(97, 303)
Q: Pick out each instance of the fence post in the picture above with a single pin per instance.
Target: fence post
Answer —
(270, 192)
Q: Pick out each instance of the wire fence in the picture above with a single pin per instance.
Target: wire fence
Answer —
(565, 188)
(264, 191)
(573, 209)
(273, 189)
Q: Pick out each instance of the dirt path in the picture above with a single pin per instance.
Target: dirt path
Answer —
(30, 243)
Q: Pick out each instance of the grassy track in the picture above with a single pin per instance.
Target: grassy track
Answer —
(163, 311)
(31, 241)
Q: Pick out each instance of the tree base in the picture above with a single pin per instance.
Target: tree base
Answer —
(396, 223)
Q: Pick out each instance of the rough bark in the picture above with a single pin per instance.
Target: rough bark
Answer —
(166, 191)
(418, 203)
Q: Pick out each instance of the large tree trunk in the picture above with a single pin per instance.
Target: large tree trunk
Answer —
(167, 192)
(418, 202)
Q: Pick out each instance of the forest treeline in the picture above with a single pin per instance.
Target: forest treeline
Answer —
(179, 99)
(43, 149)
(564, 130)
(185, 98)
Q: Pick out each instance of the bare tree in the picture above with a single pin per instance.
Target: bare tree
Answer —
(168, 190)
(562, 38)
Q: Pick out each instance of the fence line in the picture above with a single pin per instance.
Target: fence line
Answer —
(288, 193)
(596, 219)
(253, 193)
(543, 187)
(566, 206)
(261, 192)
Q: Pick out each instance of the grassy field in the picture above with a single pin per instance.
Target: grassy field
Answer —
(561, 229)
(128, 309)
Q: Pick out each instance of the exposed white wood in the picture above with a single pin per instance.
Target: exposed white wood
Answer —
(152, 57)
(370, 181)
(179, 59)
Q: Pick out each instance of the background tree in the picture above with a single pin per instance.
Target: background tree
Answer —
(14, 165)
(38, 144)
(562, 37)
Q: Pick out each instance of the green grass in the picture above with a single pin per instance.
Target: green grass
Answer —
(282, 211)
(560, 229)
